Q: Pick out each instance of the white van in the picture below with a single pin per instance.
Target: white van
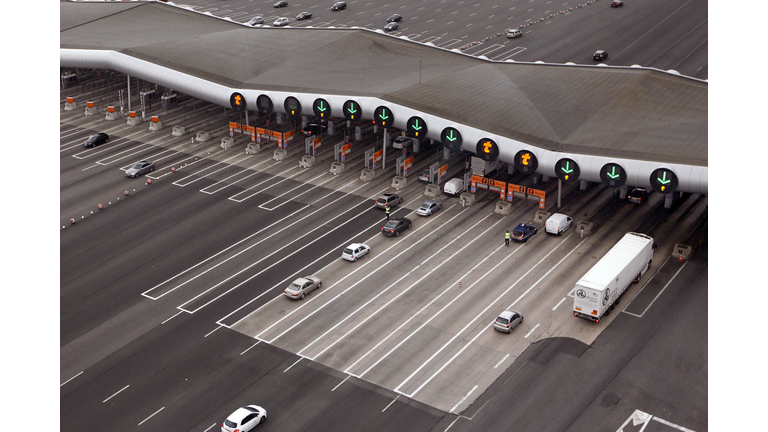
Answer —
(558, 223)
(454, 186)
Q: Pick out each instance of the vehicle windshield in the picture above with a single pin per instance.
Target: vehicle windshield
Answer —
(391, 224)
(425, 207)
(348, 251)
(294, 287)
(230, 423)
(137, 165)
(502, 320)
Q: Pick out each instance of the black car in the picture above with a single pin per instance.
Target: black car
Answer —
(600, 55)
(339, 6)
(313, 129)
(394, 18)
(97, 139)
(617, 3)
(281, 4)
(523, 232)
(303, 16)
(395, 226)
(637, 195)
(391, 26)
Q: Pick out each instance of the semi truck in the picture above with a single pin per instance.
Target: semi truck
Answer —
(600, 290)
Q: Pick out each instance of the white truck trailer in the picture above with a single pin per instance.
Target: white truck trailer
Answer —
(599, 291)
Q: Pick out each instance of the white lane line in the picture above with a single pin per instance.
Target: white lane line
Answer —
(452, 423)
(91, 151)
(294, 364)
(257, 342)
(92, 166)
(211, 426)
(280, 174)
(501, 361)
(463, 399)
(208, 189)
(179, 182)
(211, 332)
(529, 333)
(170, 317)
(301, 184)
(71, 379)
(151, 415)
(339, 385)
(559, 303)
(359, 282)
(390, 404)
(657, 295)
(115, 393)
(488, 307)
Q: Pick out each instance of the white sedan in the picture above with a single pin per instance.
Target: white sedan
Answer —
(244, 419)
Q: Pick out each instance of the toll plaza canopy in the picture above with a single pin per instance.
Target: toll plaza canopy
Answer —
(622, 112)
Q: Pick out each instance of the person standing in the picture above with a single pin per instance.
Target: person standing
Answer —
(386, 210)
(506, 238)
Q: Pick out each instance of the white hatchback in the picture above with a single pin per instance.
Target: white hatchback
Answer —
(244, 419)
(514, 33)
(280, 22)
(355, 251)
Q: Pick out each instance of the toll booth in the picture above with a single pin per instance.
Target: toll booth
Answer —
(68, 79)
(361, 131)
(147, 97)
(169, 101)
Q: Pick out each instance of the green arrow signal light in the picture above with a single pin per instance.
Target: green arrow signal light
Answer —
(383, 116)
(416, 126)
(567, 168)
(612, 174)
(351, 109)
(451, 137)
(321, 108)
(664, 181)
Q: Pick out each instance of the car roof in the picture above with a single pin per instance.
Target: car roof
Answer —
(508, 313)
(239, 414)
(428, 203)
(354, 245)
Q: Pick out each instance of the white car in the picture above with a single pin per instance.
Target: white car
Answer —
(355, 251)
(280, 22)
(244, 419)
(514, 33)
(428, 208)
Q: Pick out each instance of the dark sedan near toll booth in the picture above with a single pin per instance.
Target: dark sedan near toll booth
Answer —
(523, 232)
(395, 226)
(96, 139)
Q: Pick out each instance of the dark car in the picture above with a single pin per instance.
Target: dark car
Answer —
(637, 195)
(139, 168)
(313, 129)
(96, 139)
(523, 232)
(339, 6)
(256, 20)
(388, 200)
(617, 3)
(391, 26)
(281, 4)
(394, 18)
(600, 55)
(304, 15)
(395, 226)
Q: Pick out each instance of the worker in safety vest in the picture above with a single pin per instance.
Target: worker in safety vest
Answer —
(506, 238)
(386, 210)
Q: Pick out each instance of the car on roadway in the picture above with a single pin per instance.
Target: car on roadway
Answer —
(402, 142)
(558, 223)
(256, 20)
(244, 419)
(600, 55)
(339, 6)
(424, 176)
(508, 320)
(313, 129)
(523, 232)
(428, 208)
(514, 33)
(281, 4)
(355, 251)
(388, 200)
(280, 22)
(617, 3)
(637, 195)
(391, 27)
(302, 286)
(394, 227)
(394, 18)
(96, 139)
(139, 168)
(304, 15)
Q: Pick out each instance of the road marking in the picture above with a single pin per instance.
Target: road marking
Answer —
(257, 342)
(209, 427)
(294, 364)
(224, 181)
(393, 401)
(345, 380)
(170, 317)
(501, 361)
(179, 182)
(657, 295)
(278, 175)
(151, 415)
(653, 28)
(115, 393)
(463, 399)
(529, 333)
(212, 332)
(640, 417)
(71, 379)
(559, 303)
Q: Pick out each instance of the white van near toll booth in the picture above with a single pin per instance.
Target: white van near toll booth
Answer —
(454, 186)
(600, 290)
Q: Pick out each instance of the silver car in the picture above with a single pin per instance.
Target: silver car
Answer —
(256, 20)
(302, 286)
(508, 320)
(139, 168)
(428, 208)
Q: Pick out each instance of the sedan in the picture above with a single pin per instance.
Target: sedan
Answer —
(339, 6)
(139, 168)
(428, 208)
(391, 26)
(281, 4)
(244, 419)
(280, 22)
(617, 3)
(304, 15)
(638, 195)
(302, 286)
(256, 20)
(394, 18)
(94, 140)
(600, 55)
(523, 232)
(355, 251)
(508, 320)
(395, 226)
